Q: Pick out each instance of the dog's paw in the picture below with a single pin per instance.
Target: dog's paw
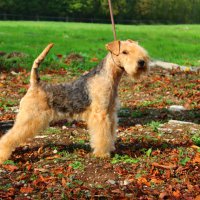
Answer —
(101, 154)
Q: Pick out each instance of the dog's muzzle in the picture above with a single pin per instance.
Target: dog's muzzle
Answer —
(142, 65)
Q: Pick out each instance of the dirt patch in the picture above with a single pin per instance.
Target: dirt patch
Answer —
(97, 174)
(2, 53)
(73, 57)
(15, 55)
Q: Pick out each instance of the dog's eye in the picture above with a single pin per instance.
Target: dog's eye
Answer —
(125, 52)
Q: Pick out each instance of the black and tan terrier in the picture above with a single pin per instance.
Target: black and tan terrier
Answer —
(92, 98)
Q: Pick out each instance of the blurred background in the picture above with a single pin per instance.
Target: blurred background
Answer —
(125, 11)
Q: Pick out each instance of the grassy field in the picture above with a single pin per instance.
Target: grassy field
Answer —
(173, 43)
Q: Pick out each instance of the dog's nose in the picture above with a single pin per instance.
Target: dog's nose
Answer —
(141, 63)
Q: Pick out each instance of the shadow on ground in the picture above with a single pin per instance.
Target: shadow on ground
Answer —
(141, 115)
(131, 117)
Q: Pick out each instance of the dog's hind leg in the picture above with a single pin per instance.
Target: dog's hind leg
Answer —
(17, 135)
(33, 117)
(34, 114)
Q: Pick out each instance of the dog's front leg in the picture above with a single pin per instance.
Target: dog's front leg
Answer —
(101, 130)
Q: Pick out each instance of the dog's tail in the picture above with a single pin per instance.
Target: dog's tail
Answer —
(34, 78)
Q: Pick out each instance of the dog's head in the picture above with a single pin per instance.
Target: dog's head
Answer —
(130, 56)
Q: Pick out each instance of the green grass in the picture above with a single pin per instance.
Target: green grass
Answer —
(154, 125)
(196, 138)
(76, 165)
(173, 43)
(123, 159)
(52, 130)
(9, 162)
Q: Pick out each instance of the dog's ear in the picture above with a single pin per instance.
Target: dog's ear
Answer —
(114, 47)
(132, 41)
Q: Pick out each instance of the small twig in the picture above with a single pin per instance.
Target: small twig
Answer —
(195, 147)
(164, 166)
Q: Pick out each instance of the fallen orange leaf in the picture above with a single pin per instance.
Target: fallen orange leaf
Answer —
(11, 168)
(144, 181)
(196, 158)
(42, 179)
(170, 166)
(58, 170)
(53, 157)
(94, 59)
(26, 189)
(197, 197)
(59, 56)
(117, 191)
(195, 147)
(189, 186)
(168, 173)
(176, 193)
(156, 181)
(64, 182)
(28, 167)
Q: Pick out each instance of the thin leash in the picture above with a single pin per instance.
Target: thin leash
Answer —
(112, 19)
(114, 31)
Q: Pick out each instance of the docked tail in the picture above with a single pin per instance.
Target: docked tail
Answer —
(34, 79)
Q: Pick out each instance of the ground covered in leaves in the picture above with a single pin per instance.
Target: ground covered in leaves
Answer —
(157, 154)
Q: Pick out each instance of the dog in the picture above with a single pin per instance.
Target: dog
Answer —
(92, 98)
